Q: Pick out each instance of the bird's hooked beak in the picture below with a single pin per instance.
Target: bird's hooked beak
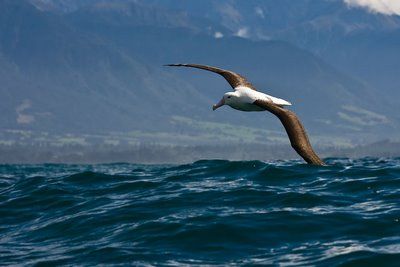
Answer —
(219, 104)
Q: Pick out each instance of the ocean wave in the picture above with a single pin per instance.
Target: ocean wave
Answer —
(210, 212)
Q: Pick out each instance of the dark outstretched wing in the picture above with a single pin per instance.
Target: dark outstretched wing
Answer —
(295, 131)
(232, 78)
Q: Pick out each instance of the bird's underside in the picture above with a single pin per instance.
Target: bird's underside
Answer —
(294, 129)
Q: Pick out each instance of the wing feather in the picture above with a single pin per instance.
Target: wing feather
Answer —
(234, 79)
(295, 131)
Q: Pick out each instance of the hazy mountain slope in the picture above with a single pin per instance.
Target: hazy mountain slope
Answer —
(63, 5)
(85, 71)
(362, 44)
(308, 22)
(373, 57)
(276, 67)
(75, 81)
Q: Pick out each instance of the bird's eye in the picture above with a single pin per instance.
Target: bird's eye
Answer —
(229, 97)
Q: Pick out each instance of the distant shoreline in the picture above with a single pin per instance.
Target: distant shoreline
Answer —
(153, 153)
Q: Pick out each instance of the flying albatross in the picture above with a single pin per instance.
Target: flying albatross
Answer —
(246, 98)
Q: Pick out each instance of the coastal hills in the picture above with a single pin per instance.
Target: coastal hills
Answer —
(95, 67)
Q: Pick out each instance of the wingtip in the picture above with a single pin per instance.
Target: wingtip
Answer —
(173, 65)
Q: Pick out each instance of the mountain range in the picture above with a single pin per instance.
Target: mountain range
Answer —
(96, 67)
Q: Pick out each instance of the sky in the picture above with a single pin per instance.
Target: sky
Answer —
(388, 7)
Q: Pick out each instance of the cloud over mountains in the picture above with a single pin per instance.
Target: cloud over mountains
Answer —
(388, 7)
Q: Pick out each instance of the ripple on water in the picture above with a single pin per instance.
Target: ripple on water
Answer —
(206, 213)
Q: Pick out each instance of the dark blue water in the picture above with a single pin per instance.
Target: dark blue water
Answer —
(208, 212)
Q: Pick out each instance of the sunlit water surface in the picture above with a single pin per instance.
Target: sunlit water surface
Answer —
(205, 213)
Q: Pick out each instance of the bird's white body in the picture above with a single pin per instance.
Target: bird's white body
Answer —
(243, 98)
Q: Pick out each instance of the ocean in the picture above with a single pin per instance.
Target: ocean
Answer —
(211, 212)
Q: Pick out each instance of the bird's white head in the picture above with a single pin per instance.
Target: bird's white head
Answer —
(228, 99)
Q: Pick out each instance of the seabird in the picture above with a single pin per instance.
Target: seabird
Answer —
(246, 98)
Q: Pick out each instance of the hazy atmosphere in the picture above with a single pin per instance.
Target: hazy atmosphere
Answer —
(83, 80)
